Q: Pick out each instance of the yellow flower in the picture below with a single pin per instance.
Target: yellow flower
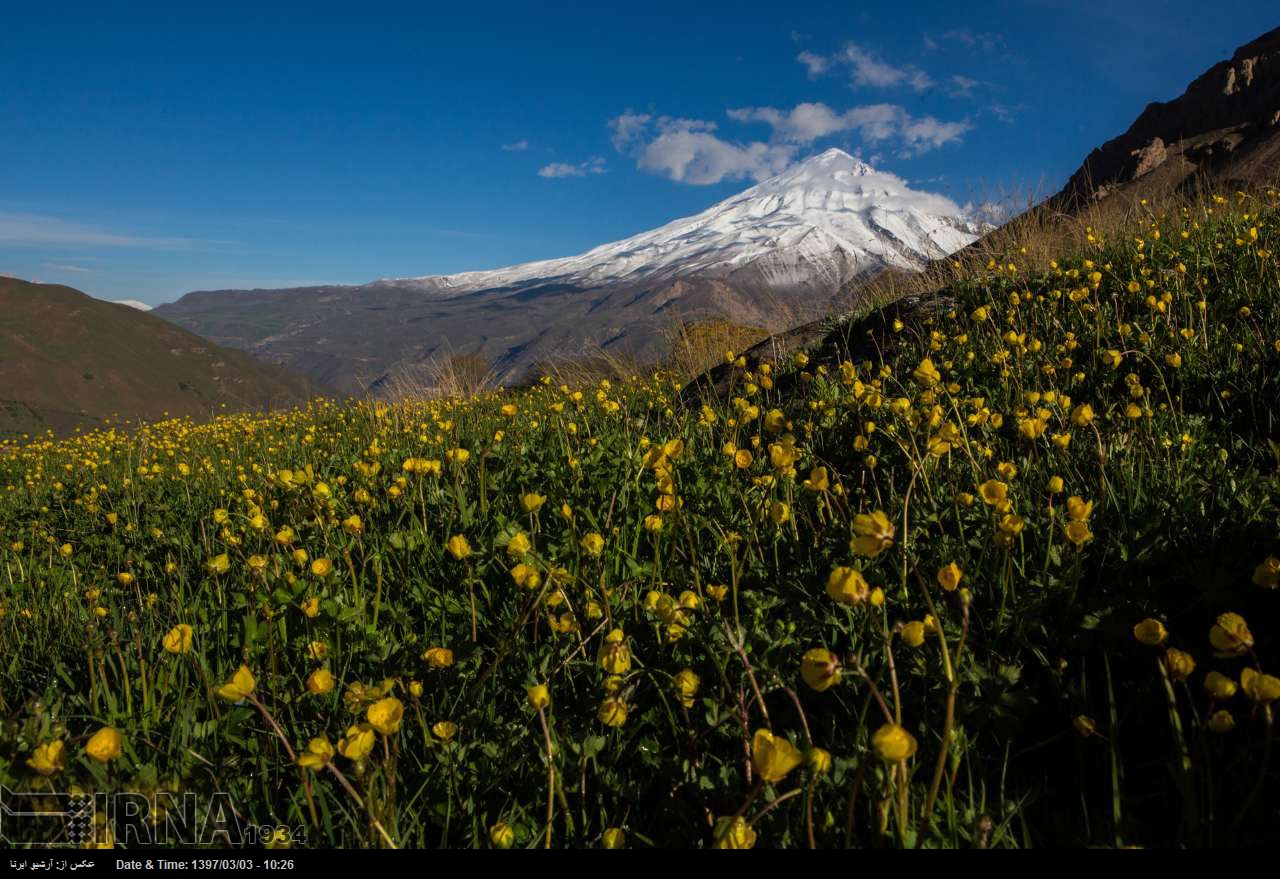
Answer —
(926, 374)
(1219, 686)
(458, 547)
(48, 758)
(615, 656)
(219, 564)
(240, 686)
(1179, 664)
(1150, 632)
(1230, 635)
(502, 836)
(353, 525)
(949, 577)
(819, 761)
(1078, 509)
(1221, 722)
(736, 833)
(913, 633)
(1056, 485)
(318, 753)
(310, 607)
(773, 757)
(1085, 725)
(178, 639)
(847, 586)
(1078, 533)
(687, 683)
(874, 534)
(614, 838)
(820, 668)
(893, 744)
(1082, 415)
(613, 711)
(104, 745)
(993, 492)
(518, 545)
(1260, 687)
(539, 696)
(818, 480)
(358, 742)
(531, 502)
(742, 459)
(1267, 574)
(385, 715)
(592, 544)
(444, 730)
(438, 657)
(321, 567)
(779, 512)
(319, 682)
(526, 576)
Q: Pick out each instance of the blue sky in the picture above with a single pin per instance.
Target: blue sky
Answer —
(149, 150)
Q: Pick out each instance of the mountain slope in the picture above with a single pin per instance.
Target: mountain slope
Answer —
(1225, 125)
(68, 360)
(777, 252)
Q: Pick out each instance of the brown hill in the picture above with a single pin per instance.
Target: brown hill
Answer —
(68, 360)
(1225, 126)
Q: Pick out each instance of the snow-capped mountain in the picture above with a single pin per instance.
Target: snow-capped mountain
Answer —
(782, 252)
(821, 222)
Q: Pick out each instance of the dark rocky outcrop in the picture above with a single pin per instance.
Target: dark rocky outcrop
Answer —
(1225, 126)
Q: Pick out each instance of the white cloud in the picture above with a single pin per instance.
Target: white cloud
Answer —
(593, 165)
(987, 42)
(690, 151)
(64, 267)
(803, 124)
(962, 86)
(867, 69)
(874, 124)
(518, 147)
(33, 230)
(817, 64)
(627, 128)
(699, 157)
(922, 134)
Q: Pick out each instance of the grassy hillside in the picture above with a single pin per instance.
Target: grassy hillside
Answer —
(68, 360)
(999, 572)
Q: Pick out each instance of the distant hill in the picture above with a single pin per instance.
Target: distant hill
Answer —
(1225, 126)
(68, 360)
(775, 254)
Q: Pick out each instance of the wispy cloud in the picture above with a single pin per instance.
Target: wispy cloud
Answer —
(817, 64)
(965, 38)
(34, 230)
(518, 147)
(869, 70)
(65, 267)
(959, 86)
(866, 69)
(593, 165)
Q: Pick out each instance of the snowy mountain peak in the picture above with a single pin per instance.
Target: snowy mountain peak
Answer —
(816, 225)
